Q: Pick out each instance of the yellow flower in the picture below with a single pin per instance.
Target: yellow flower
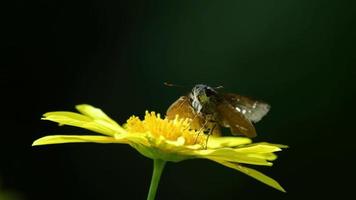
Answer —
(166, 140)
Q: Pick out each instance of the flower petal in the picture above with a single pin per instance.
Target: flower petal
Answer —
(133, 138)
(79, 120)
(258, 148)
(253, 173)
(94, 113)
(230, 155)
(266, 156)
(218, 142)
(59, 139)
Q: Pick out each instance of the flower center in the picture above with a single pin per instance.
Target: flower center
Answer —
(169, 129)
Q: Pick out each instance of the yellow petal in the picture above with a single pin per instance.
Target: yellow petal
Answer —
(217, 142)
(282, 146)
(64, 117)
(94, 113)
(132, 138)
(230, 155)
(79, 120)
(258, 148)
(253, 173)
(59, 139)
(266, 156)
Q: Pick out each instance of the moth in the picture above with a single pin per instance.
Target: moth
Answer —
(209, 109)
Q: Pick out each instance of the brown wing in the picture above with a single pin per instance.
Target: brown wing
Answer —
(252, 109)
(182, 107)
(237, 122)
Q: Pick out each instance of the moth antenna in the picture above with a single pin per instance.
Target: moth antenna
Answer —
(173, 85)
(219, 87)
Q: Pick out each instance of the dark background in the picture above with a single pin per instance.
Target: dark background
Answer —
(297, 55)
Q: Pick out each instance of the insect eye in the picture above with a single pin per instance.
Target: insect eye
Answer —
(209, 92)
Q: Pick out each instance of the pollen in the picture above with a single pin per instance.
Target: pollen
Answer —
(173, 130)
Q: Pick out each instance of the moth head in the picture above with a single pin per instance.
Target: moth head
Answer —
(201, 95)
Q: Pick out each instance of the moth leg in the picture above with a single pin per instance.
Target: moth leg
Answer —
(200, 131)
(210, 133)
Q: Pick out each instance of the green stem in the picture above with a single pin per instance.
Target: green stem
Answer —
(158, 166)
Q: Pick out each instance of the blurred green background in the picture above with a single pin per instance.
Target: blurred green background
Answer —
(297, 55)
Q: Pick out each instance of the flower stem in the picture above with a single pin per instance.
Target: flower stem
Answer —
(158, 166)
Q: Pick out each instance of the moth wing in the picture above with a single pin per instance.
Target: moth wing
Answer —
(182, 107)
(234, 119)
(254, 110)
